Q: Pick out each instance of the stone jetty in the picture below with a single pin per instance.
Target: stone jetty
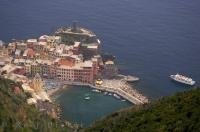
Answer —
(122, 88)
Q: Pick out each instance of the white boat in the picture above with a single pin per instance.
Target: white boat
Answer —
(105, 93)
(182, 79)
(123, 100)
(96, 90)
(98, 41)
(87, 98)
(116, 96)
(110, 94)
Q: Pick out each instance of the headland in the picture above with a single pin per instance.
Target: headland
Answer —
(72, 56)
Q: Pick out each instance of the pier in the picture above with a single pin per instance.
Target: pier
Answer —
(129, 78)
(122, 88)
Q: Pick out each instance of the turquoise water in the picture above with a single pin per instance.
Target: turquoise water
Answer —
(78, 110)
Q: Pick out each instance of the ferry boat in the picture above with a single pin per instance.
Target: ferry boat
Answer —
(182, 79)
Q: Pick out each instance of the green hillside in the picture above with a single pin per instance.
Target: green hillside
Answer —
(179, 113)
(16, 115)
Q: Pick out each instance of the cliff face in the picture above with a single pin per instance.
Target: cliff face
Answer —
(17, 115)
(180, 112)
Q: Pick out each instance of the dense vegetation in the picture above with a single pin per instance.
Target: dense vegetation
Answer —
(17, 115)
(180, 113)
(69, 39)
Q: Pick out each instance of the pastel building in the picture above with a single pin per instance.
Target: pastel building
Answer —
(76, 48)
(50, 58)
(17, 53)
(80, 72)
(36, 68)
(43, 38)
(42, 67)
(28, 68)
(39, 47)
(11, 47)
(4, 51)
(31, 43)
(21, 46)
(29, 53)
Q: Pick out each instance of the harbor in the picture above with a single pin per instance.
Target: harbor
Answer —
(83, 105)
(123, 89)
(49, 65)
(118, 87)
(66, 59)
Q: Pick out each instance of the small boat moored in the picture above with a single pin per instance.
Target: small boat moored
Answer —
(96, 90)
(105, 93)
(110, 94)
(116, 96)
(87, 98)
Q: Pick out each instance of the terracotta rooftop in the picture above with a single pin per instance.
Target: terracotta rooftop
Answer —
(66, 62)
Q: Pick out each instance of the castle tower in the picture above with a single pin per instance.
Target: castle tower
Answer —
(75, 27)
(37, 83)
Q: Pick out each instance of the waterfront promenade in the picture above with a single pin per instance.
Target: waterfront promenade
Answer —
(117, 86)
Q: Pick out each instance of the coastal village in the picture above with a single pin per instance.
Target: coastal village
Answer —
(71, 56)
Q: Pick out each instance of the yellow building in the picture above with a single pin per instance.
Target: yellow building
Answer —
(4, 52)
(36, 68)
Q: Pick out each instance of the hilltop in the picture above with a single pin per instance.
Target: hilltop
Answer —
(180, 112)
